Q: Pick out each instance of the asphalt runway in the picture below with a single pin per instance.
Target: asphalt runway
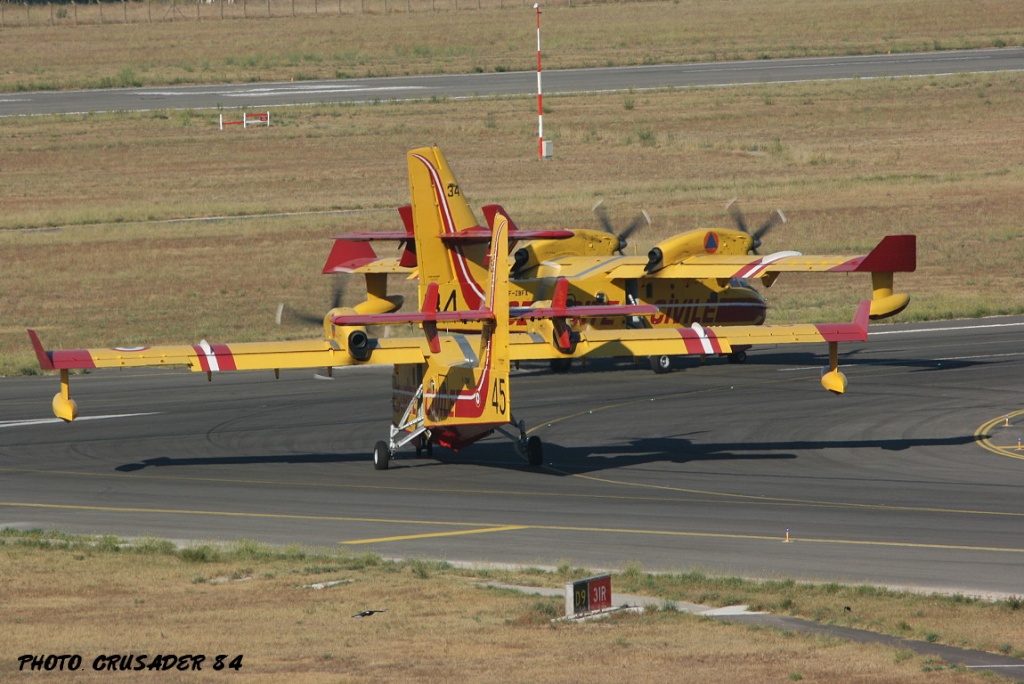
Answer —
(913, 478)
(555, 81)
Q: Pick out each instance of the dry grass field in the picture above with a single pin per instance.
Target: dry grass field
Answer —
(409, 38)
(94, 597)
(92, 254)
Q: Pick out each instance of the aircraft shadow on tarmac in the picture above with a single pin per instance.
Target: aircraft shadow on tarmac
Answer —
(284, 459)
(563, 460)
(862, 357)
(854, 357)
(678, 450)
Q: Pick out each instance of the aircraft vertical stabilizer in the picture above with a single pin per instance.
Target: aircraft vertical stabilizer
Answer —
(439, 214)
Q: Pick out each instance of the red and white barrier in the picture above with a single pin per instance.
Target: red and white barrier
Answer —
(258, 119)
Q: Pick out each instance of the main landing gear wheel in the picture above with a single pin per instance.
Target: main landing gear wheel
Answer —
(381, 455)
(534, 451)
(661, 364)
(738, 357)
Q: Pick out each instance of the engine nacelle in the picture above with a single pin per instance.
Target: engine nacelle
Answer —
(354, 338)
(582, 243)
(359, 344)
(694, 242)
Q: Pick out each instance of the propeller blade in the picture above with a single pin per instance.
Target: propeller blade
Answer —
(293, 315)
(643, 219)
(338, 292)
(286, 313)
(737, 216)
(602, 217)
(776, 218)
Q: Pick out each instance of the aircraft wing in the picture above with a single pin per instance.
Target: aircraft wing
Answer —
(694, 340)
(209, 358)
(893, 253)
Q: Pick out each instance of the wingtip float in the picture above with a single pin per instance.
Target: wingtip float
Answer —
(64, 407)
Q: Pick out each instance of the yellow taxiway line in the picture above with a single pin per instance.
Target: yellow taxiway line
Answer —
(482, 528)
(984, 439)
(406, 537)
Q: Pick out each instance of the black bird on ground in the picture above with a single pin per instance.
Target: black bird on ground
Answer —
(368, 613)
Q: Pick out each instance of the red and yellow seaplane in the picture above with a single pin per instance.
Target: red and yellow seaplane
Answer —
(451, 383)
(700, 276)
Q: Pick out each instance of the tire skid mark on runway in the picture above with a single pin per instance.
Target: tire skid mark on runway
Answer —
(867, 368)
(480, 527)
(983, 437)
(748, 498)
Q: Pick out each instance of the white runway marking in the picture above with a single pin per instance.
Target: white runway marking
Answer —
(980, 326)
(282, 90)
(46, 421)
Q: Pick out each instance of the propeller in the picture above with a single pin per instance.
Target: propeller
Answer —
(337, 295)
(643, 219)
(774, 219)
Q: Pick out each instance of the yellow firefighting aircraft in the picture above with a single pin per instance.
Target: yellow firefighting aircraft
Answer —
(453, 389)
(700, 276)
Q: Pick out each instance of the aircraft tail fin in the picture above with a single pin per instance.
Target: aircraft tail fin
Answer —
(465, 392)
(492, 311)
(498, 295)
(439, 214)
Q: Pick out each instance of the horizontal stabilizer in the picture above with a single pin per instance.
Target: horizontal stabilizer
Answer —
(469, 235)
(514, 233)
(560, 307)
(400, 317)
(480, 234)
(352, 252)
(373, 237)
(347, 256)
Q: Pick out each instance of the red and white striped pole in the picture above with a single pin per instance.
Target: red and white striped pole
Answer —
(540, 95)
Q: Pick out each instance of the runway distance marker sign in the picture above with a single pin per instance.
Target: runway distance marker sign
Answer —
(588, 595)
